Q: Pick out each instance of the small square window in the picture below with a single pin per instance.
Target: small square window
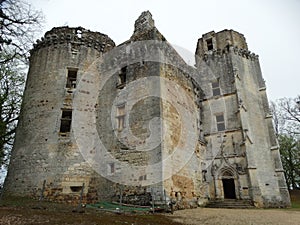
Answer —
(220, 118)
(144, 177)
(76, 188)
(71, 78)
(220, 122)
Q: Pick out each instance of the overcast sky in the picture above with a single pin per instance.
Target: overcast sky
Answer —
(271, 27)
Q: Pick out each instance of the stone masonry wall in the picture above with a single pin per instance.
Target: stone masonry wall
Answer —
(181, 183)
(136, 122)
(40, 151)
(249, 155)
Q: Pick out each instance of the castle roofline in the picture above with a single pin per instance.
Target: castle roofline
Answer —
(79, 35)
(220, 32)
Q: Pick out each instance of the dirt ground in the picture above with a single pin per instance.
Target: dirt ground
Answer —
(237, 216)
(22, 211)
(24, 216)
(25, 211)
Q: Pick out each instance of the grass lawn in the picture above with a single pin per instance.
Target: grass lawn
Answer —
(295, 197)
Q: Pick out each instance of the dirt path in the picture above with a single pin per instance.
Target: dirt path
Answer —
(237, 216)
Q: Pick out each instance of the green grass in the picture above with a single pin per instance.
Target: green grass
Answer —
(113, 206)
(296, 205)
(34, 212)
(295, 198)
(16, 201)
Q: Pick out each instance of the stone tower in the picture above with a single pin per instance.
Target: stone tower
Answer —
(242, 149)
(45, 148)
(135, 122)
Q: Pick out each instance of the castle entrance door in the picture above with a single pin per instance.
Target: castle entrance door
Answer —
(229, 188)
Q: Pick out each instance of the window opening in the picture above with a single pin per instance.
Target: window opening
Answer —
(112, 167)
(71, 79)
(121, 117)
(144, 177)
(66, 119)
(76, 188)
(209, 44)
(122, 77)
(216, 88)
(220, 122)
(79, 33)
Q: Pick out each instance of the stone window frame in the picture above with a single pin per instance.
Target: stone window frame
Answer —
(72, 74)
(76, 188)
(111, 168)
(209, 44)
(220, 122)
(121, 114)
(143, 177)
(215, 87)
(122, 77)
(65, 122)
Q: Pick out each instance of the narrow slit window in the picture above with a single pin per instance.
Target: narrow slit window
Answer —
(66, 119)
(112, 168)
(216, 88)
(220, 122)
(209, 44)
(71, 78)
(121, 117)
(122, 77)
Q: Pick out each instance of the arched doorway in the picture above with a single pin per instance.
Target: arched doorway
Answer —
(229, 188)
(228, 182)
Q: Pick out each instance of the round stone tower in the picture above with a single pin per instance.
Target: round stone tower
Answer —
(45, 148)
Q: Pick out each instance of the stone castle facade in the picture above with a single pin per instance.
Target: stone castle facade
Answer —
(136, 121)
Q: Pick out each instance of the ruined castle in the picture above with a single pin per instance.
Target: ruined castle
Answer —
(136, 122)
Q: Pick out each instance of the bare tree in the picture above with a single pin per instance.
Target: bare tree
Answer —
(11, 89)
(20, 24)
(286, 115)
(286, 118)
(289, 150)
(291, 114)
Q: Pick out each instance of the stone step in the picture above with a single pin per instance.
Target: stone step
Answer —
(230, 203)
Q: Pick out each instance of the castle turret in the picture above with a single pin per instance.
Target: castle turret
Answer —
(242, 146)
(45, 148)
(220, 41)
